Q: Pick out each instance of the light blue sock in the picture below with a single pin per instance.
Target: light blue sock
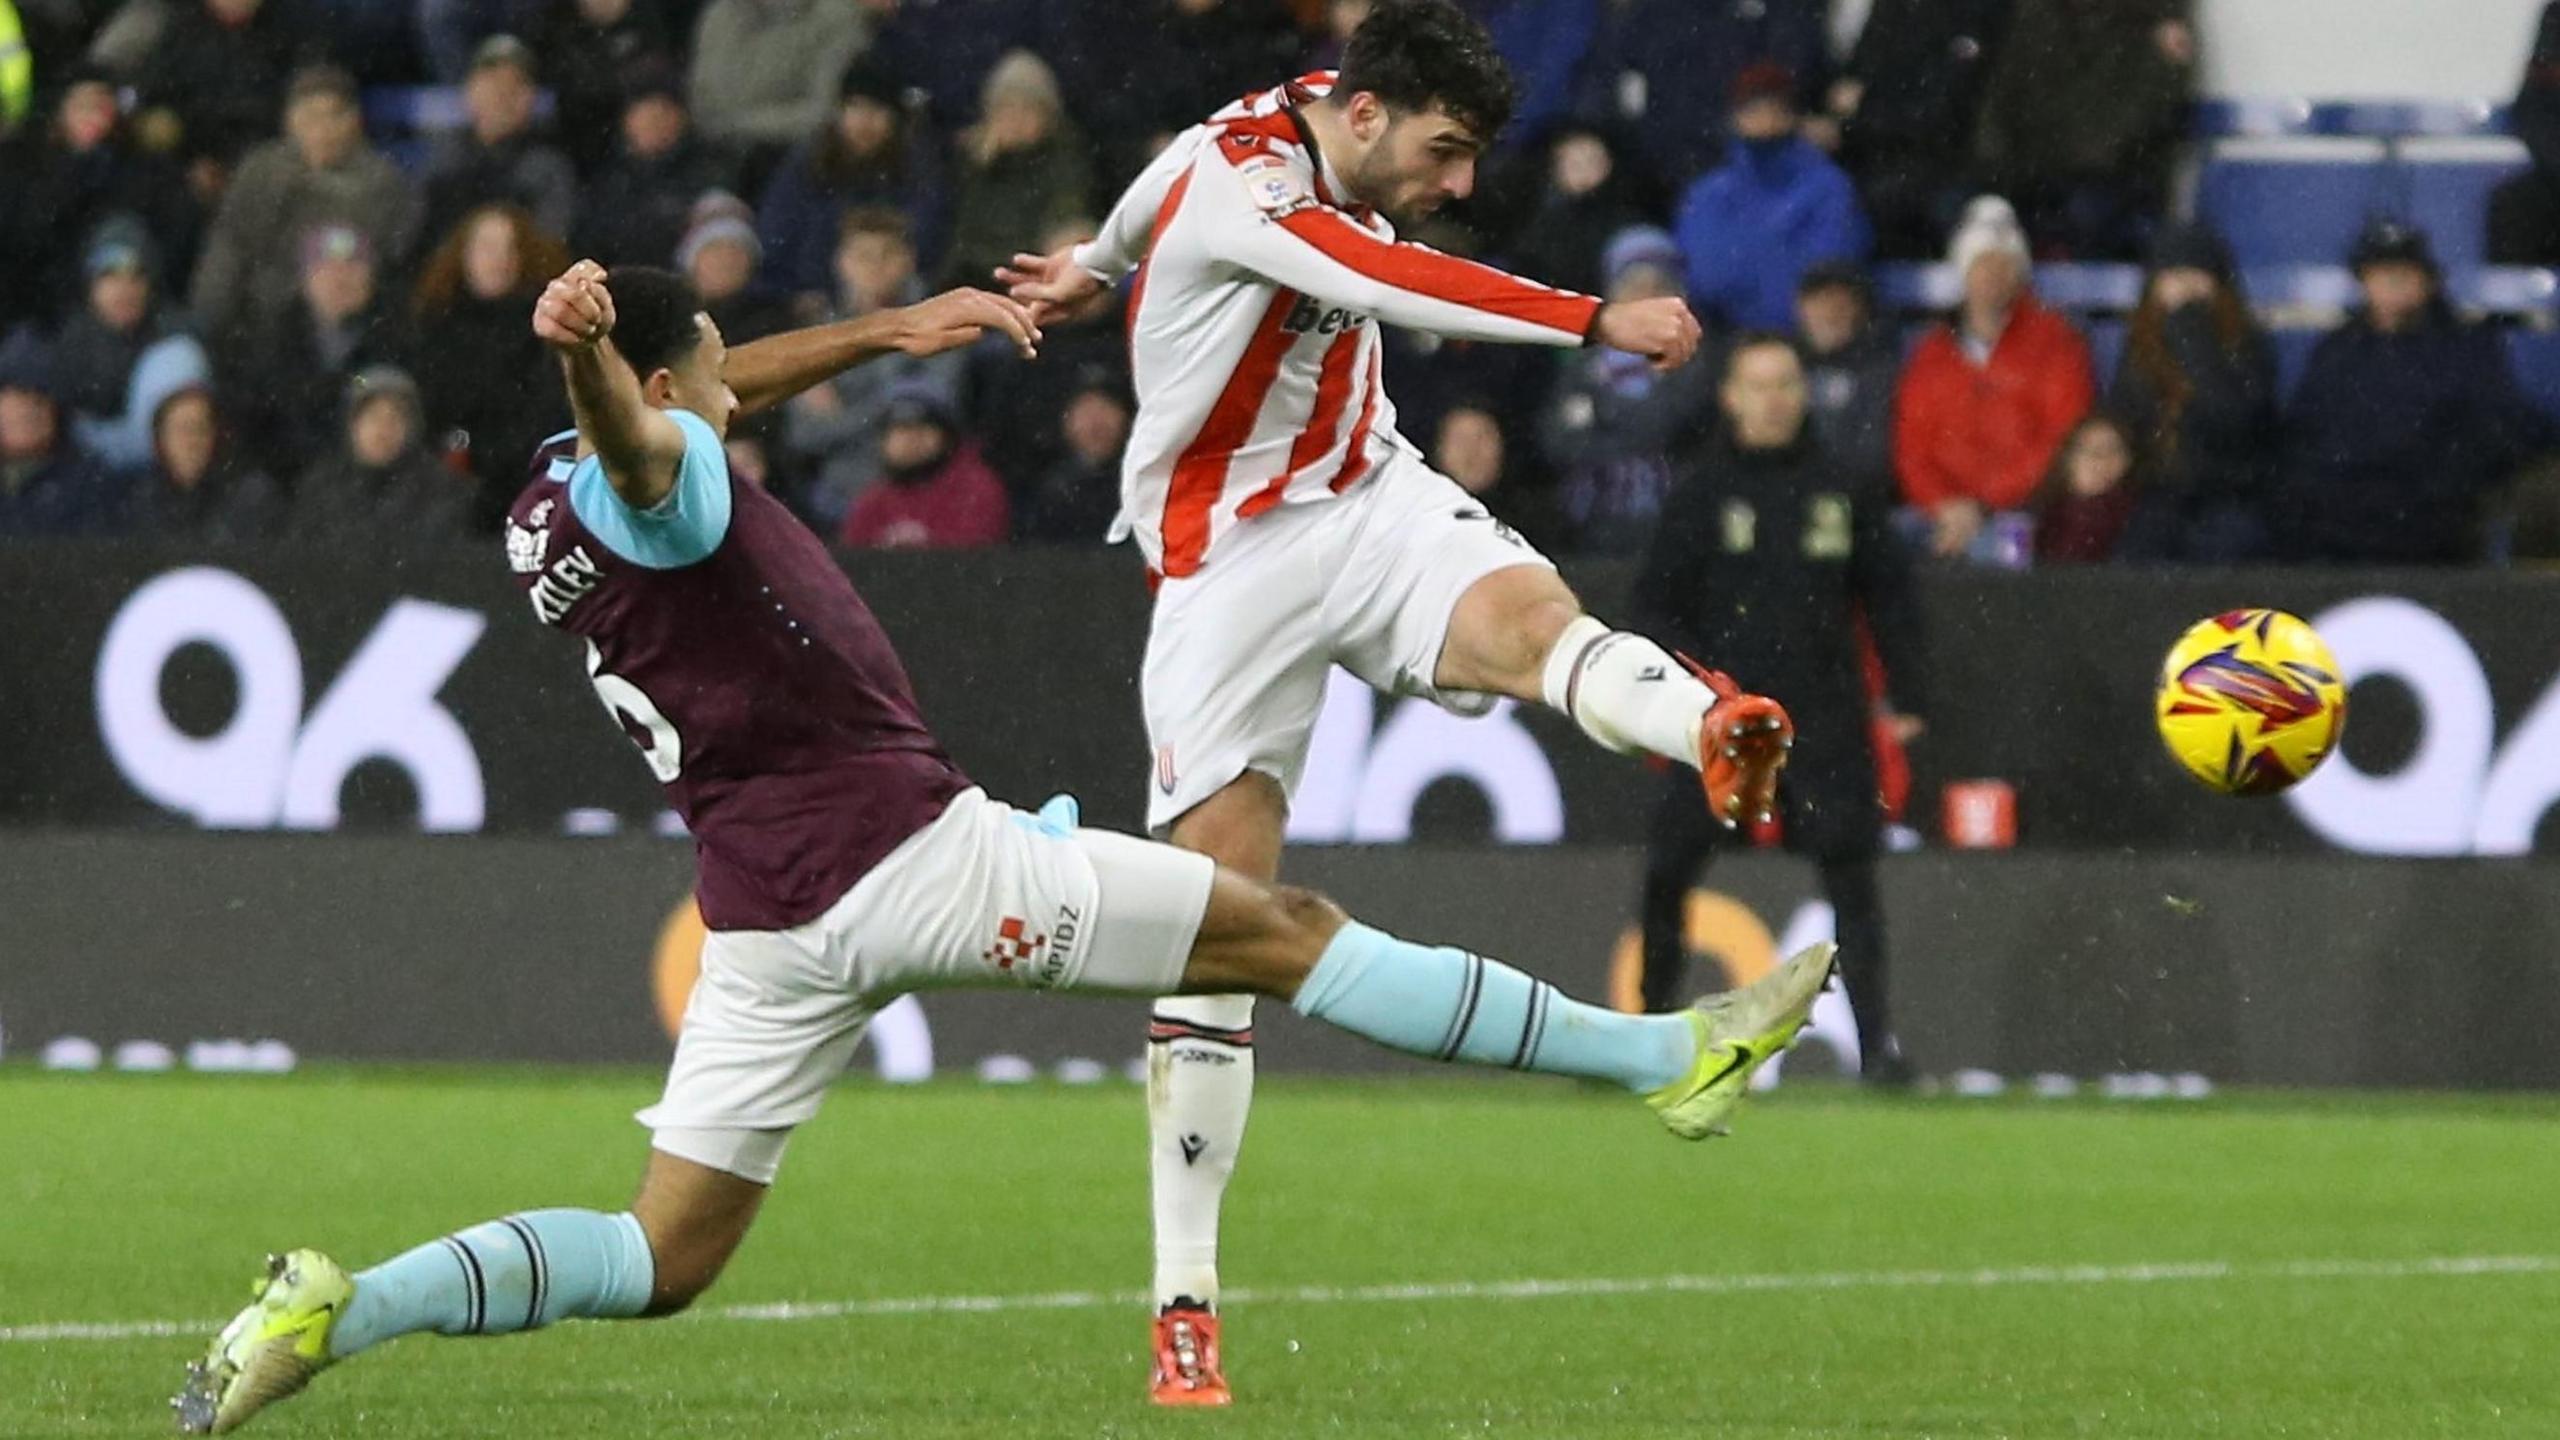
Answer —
(519, 1273)
(1446, 1004)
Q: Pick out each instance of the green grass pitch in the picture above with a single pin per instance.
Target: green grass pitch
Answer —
(2247, 1267)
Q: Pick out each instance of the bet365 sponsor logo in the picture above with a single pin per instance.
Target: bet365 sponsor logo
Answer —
(274, 764)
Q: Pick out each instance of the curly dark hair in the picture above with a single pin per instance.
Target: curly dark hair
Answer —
(654, 317)
(1413, 54)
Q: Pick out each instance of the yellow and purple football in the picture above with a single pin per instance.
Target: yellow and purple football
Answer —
(2251, 701)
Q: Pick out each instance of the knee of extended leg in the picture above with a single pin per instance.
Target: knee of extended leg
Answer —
(1307, 913)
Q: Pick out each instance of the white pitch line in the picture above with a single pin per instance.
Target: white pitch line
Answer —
(1981, 1279)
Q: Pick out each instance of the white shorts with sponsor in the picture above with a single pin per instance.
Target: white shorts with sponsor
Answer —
(1237, 656)
(985, 896)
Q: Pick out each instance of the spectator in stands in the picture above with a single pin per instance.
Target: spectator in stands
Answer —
(636, 210)
(765, 72)
(1471, 447)
(1195, 55)
(2091, 496)
(216, 69)
(380, 487)
(1014, 406)
(947, 49)
(2524, 213)
(321, 173)
(868, 153)
(1341, 17)
(65, 179)
(1850, 364)
(95, 353)
(120, 438)
(1986, 401)
(1666, 69)
(934, 492)
(2405, 421)
(1908, 104)
(600, 53)
(2197, 392)
(1760, 524)
(292, 376)
(198, 486)
(721, 253)
(1544, 42)
(48, 484)
(1609, 429)
(452, 31)
(1023, 171)
(1776, 207)
(1588, 197)
(1075, 502)
(2087, 103)
(835, 427)
(498, 159)
(479, 369)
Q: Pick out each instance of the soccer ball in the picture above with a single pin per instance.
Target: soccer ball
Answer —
(2250, 701)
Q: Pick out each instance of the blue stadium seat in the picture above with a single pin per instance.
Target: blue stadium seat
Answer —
(2090, 287)
(2299, 287)
(2075, 288)
(2536, 356)
(2227, 116)
(2296, 201)
(2401, 119)
(2506, 290)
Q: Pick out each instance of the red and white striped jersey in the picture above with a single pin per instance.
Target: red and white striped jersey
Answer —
(1254, 324)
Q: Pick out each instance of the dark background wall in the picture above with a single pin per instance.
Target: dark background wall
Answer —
(2267, 970)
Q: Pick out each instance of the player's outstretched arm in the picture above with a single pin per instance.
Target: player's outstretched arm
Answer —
(638, 445)
(767, 372)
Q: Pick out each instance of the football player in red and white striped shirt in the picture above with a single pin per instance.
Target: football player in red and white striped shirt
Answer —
(1291, 528)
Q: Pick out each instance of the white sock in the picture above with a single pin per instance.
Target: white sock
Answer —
(1199, 1086)
(1625, 691)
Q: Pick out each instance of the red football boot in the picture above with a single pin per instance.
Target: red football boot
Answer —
(1742, 745)
(1187, 1370)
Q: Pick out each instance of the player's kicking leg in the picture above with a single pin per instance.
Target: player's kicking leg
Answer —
(1520, 632)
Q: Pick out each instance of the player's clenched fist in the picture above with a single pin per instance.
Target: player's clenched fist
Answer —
(1661, 330)
(575, 309)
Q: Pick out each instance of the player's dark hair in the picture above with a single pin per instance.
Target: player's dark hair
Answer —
(653, 317)
(1413, 54)
(1749, 340)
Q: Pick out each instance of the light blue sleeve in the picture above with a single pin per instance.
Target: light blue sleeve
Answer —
(677, 531)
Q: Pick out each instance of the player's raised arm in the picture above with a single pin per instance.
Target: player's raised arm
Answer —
(638, 445)
(1258, 214)
(766, 372)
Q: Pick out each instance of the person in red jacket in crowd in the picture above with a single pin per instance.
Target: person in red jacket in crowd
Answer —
(934, 493)
(1987, 400)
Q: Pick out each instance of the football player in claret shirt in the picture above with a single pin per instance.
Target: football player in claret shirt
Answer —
(844, 859)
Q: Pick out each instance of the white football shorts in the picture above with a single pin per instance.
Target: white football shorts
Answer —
(1237, 655)
(985, 896)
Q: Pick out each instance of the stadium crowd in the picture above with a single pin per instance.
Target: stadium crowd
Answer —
(266, 265)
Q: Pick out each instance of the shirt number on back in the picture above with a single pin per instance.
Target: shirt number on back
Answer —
(639, 717)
